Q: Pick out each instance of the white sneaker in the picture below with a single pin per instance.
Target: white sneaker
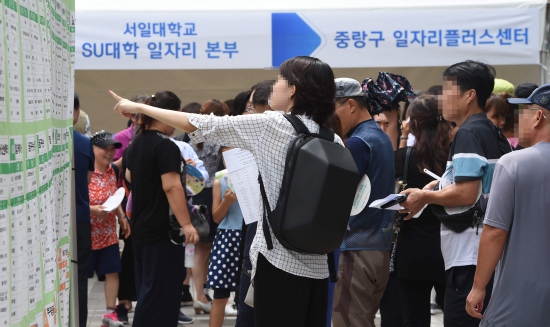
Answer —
(230, 310)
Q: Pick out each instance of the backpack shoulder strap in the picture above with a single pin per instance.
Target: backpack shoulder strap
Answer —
(326, 133)
(266, 213)
(297, 124)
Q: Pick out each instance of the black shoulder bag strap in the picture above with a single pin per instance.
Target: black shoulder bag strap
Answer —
(397, 221)
(406, 167)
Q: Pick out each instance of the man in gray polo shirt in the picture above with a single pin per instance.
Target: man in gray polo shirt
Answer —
(516, 235)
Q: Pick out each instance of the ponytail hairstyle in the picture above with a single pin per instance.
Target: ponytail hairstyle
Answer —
(432, 132)
(213, 106)
(162, 99)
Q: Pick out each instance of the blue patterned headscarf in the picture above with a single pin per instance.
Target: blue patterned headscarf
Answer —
(386, 92)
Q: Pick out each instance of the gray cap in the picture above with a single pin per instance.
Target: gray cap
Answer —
(348, 87)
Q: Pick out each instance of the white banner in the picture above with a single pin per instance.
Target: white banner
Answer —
(378, 38)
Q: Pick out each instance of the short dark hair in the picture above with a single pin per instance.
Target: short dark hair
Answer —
(239, 105)
(361, 101)
(192, 108)
(524, 90)
(315, 88)
(473, 75)
(434, 90)
(262, 92)
(162, 99)
(76, 102)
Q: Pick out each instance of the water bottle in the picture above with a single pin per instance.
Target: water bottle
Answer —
(189, 255)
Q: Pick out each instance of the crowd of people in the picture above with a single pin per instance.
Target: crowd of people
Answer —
(468, 154)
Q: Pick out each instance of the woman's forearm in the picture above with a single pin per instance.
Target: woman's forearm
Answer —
(175, 119)
(220, 211)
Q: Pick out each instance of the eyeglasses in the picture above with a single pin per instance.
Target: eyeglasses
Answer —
(535, 108)
(532, 108)
(341, 104)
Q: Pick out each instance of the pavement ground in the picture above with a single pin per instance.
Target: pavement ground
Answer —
(96, 308)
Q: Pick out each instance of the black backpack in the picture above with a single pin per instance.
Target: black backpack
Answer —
(317, 193)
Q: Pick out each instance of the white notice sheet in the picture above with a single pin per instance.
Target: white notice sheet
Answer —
(244, 176)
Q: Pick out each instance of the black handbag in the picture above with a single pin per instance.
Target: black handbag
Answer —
(199, 219)
(198, 215)
(461, 221)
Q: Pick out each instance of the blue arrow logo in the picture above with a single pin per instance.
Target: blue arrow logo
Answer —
(291, 37)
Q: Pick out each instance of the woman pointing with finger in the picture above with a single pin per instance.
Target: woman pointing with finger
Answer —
(290, 288)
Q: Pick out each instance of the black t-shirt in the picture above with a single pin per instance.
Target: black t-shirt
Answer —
(418, 252)
(151, 155)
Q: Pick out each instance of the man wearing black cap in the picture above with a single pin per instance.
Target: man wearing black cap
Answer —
(517, 229)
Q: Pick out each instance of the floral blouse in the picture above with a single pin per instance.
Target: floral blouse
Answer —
(101, 187)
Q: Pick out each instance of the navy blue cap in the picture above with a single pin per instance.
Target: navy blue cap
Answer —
(540, 96)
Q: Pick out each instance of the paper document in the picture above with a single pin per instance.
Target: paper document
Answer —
(114, 200)
(379, 203)
(244, 177)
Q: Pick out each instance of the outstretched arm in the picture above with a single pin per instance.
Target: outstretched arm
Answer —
(125, 108)
(242, 132)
